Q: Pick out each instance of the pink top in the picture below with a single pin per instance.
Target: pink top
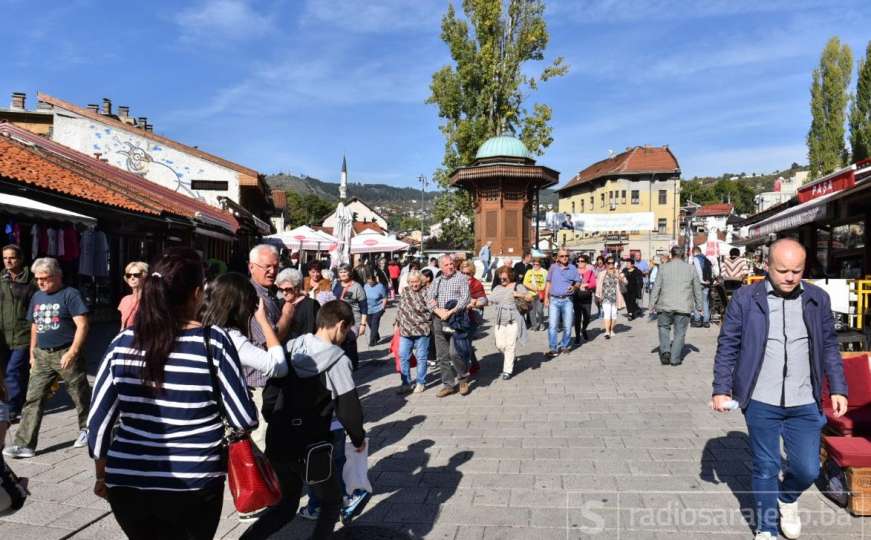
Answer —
(128, 307)
(588, 278)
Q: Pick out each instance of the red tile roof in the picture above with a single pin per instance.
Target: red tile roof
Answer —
(249, 178)
(720, 209)
(359, 227)
(90, 176)
(637, 160)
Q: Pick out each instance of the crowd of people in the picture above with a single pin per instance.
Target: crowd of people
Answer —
(196, 356)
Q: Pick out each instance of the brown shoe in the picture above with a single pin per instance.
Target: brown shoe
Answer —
(446, 391)
(464, 388)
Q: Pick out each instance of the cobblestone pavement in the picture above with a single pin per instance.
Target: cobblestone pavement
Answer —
(602, 442)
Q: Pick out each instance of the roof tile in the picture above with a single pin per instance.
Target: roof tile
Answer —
(637, 160)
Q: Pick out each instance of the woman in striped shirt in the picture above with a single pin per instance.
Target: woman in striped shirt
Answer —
(163, 469)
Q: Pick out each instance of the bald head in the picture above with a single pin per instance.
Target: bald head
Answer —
(786, 263)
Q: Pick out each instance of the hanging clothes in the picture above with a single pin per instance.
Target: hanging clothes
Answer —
(70, 244)
(34, 239)
(94, 254)
(51, 248)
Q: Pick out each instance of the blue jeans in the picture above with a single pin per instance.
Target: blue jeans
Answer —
(560, 310)
(706, 306)
(420, 345)
(17, 376)
(339, 461)
(800, 428)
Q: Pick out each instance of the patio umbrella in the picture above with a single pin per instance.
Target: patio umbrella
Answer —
(304, 238)
(373, 242)
(342, 232)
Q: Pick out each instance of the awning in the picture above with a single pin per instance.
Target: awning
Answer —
(305, 238)
(372, 242)
(36, 209)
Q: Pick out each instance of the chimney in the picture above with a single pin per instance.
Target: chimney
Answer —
(97, 155)
(93, 107)
(107, 106)
(123, 111)
(18, 99)
(141, 121)
(149, 128)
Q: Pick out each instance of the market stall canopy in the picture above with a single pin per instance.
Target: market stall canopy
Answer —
(305, 238)
(373, 242)
(31, 208)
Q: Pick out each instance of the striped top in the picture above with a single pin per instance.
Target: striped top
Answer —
(169, 439)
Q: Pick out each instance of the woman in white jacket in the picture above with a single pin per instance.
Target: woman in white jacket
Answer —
(230, 303)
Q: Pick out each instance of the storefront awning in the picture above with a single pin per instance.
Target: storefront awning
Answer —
(31, 208)
(804, 213)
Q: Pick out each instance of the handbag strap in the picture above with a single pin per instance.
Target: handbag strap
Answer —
(213, 375)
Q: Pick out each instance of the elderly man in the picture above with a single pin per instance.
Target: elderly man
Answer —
(776, 346)
(59, 326)
(676, 291)
(16, 288)
(290, 286)
(449, 287)
(263, 266)
(562, 280)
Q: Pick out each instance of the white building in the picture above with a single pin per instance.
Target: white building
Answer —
(362, 212)
(784, 190)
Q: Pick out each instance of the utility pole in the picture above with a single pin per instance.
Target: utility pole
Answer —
(423, 182)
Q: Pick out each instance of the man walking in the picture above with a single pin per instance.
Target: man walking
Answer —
(562, 279)
(676, 291)
(59, 326)
(776, 345)
(16, 288)
(449, 295)
(485, 256)
(535, 281)
(705, 271)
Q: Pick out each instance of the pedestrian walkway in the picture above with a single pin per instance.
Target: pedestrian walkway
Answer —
(603, 442)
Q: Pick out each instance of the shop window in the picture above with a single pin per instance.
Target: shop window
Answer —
(662, 226)
(663, 196)
(636, 197)
(848, 250)
(849, 236)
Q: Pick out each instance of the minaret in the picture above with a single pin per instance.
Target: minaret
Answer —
(343, 181)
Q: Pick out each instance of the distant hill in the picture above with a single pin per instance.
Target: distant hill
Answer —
(759, 183)
(372, 194)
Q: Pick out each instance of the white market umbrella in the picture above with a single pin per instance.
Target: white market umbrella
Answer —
(373, 242)
(304, 238)
(342, 233)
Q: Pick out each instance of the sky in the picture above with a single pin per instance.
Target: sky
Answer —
(293, 85)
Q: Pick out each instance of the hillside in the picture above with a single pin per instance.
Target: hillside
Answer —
(759, 183)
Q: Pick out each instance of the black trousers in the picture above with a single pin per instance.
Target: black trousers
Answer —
(582, 309)
(631, 298)
(291, 476)
(350, 348)
(175, 515)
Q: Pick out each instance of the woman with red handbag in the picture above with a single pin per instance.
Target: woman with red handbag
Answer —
(163, 469)
(414, 323)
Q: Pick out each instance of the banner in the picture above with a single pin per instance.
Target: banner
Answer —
(635, 221)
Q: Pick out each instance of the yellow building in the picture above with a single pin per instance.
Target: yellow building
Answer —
(641, 179)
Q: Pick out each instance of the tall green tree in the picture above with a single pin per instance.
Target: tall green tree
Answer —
(826, 145)
(483, 93)
(860, 110)
(307, 209)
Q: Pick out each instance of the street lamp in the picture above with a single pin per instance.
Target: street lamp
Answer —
(423, 182)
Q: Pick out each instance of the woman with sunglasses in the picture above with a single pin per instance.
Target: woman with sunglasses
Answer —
(610, 296)
(510, 326)
(134, 276)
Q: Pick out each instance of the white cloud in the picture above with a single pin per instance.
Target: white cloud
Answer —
(375, 16)
(223, 19)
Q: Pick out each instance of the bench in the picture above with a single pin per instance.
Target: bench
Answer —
(853, 456)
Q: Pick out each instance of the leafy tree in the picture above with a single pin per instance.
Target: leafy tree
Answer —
(825, 140)
(307, 209)
(860, 110)
(483, 93)
(739, 193)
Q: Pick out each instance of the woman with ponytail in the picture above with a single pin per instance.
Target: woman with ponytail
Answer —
(162, 470)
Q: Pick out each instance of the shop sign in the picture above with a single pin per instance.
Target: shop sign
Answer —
(796, 219)
(712, 248)
(843, 181)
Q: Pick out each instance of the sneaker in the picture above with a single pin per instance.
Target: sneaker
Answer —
(586, 335)
(665, 358)
(464, 388)
(506, 376)
(418, 388)
(447, 330)
(551, 354)
(564, 350)
(431, 363)
(446, 391)
(18, 452)
(790, 521)
(608, 335)
(404, 389)
(311, 514)
(82, 439)
(355, 505)
(764, 536)
(251, 517)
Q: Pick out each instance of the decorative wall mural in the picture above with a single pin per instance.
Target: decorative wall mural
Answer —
(140, 162)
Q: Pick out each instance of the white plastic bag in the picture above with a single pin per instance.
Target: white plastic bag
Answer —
(355, 474)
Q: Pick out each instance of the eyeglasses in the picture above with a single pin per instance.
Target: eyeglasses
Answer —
(562, 256)
(285, 290)
(128, 276)
(610, 262)
(265, 267)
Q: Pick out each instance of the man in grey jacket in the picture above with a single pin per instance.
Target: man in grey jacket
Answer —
(676, 293)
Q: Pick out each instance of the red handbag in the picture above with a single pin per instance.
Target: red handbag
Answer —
(253, 483)
(394, 350)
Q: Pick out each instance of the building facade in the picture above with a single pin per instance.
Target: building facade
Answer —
(641, 179)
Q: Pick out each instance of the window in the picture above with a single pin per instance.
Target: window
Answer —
(662, 225)
(592, 202)
(582, 206)
(209, 185)
(623, 197)
(635, 197)
(663, 196)
(573, 207)
(603, 200)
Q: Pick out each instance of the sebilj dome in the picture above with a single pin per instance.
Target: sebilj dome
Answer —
(503, 146)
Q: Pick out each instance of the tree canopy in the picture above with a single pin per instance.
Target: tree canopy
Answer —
(306, 209)
(738, 192)
(860, 110)
(483, 93)
(826, 144)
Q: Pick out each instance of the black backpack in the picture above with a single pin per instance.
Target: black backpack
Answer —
(299, 411)
(707, 269)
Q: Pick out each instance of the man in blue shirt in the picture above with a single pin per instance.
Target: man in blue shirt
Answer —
(485, 256)
(562, 278)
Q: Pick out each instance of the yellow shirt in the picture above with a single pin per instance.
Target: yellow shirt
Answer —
(535, 280)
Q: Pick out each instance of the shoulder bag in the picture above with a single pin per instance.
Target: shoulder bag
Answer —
(521, 303)
(253, 483)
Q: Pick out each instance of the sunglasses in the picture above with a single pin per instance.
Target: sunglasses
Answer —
(128, 276)
(610, 262)
(285, 290)
(562, 256)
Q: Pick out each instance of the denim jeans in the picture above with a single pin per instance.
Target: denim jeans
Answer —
(665, 320)
(420, 346)
(17, 370)
(373, 320)
(706, 306)
(559, 311)
(800, 428)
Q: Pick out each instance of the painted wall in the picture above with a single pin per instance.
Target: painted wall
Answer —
(363, 214)
(149, 159)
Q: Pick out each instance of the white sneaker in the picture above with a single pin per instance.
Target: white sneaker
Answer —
(790, 521)
(82, 439)
(418, 388)
(764, 536)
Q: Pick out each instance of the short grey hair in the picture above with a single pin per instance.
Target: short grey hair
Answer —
(256, 250)
(48, 265)
(289, 275)
(414, 274)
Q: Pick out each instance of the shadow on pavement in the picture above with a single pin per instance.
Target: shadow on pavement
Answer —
(717, 468)
(390, 433)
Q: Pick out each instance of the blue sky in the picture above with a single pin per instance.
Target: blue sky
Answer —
(291, 85)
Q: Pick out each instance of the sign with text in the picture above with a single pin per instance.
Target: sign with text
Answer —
(634, 221)
(839, 182)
